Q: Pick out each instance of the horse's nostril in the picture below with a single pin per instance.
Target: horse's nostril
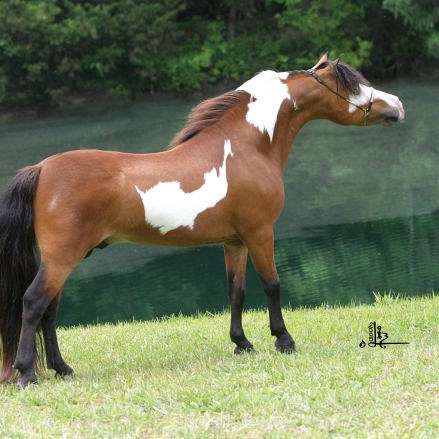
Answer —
(391, 119)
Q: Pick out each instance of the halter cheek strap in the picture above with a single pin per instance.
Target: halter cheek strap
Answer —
(365, 110)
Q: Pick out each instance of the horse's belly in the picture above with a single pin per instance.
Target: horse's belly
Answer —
(211, 227)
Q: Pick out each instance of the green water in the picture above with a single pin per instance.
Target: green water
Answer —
(362, 212)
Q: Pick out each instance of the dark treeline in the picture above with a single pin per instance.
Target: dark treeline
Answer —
(50, 49)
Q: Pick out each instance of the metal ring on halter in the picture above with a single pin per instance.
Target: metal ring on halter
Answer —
(369, 105)
(365, 110)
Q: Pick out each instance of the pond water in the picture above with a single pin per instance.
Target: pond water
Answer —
(361, 215)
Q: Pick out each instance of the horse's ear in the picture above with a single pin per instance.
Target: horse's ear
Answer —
(323, 59)
(335, 62)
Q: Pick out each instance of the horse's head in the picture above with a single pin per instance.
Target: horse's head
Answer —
(341, 94)
(281, 102)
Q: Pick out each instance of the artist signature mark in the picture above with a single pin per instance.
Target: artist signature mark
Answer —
(377, 338)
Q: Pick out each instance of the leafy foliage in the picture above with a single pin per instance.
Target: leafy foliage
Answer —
(421, 16)
(53, 48)
(50, 47)
(336, 24)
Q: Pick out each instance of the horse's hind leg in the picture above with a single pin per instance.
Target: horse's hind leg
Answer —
(236, 261)
(38, 297)
(53, 354)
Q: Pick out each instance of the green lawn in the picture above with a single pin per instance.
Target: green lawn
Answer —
(178, 378)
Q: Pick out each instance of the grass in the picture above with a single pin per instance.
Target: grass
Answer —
(177, 377)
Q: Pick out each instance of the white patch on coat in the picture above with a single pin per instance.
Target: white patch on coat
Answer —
(168, 207)
(267, 93)
(362, 99)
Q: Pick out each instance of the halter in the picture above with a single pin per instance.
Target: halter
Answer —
(365, 110)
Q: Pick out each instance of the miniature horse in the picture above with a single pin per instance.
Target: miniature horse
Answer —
(221, 181)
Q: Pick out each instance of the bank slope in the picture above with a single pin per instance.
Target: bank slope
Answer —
(177, 377)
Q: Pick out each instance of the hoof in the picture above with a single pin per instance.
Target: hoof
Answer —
(245, 348)
(26, 379)
(285, 346)
(63, 371)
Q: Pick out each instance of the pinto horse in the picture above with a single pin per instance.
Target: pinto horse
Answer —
(220, 181)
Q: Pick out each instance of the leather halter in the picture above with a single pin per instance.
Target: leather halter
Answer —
(365, 110)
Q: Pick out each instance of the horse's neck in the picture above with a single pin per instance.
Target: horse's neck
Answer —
(278, 149)
(298, 121)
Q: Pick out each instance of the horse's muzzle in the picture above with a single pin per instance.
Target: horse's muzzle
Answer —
(393, 114)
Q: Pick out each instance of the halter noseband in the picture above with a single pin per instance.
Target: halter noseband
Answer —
(365, 110)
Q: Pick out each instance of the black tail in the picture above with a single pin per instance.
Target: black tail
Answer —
(18, 265)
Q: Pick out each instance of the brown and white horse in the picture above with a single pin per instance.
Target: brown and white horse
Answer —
(221, 181)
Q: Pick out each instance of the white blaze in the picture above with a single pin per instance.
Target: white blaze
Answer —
(168, 207)
(362, 99)
(269, 92)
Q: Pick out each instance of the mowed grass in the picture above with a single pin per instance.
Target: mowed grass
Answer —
(178, 377)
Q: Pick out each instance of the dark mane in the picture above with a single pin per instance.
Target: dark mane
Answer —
(348, 78)
(206, 114)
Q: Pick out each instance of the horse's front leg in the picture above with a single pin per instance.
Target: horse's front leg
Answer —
(235, 255)
(261, 250)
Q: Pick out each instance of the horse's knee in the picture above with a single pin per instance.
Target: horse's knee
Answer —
(271, 288)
